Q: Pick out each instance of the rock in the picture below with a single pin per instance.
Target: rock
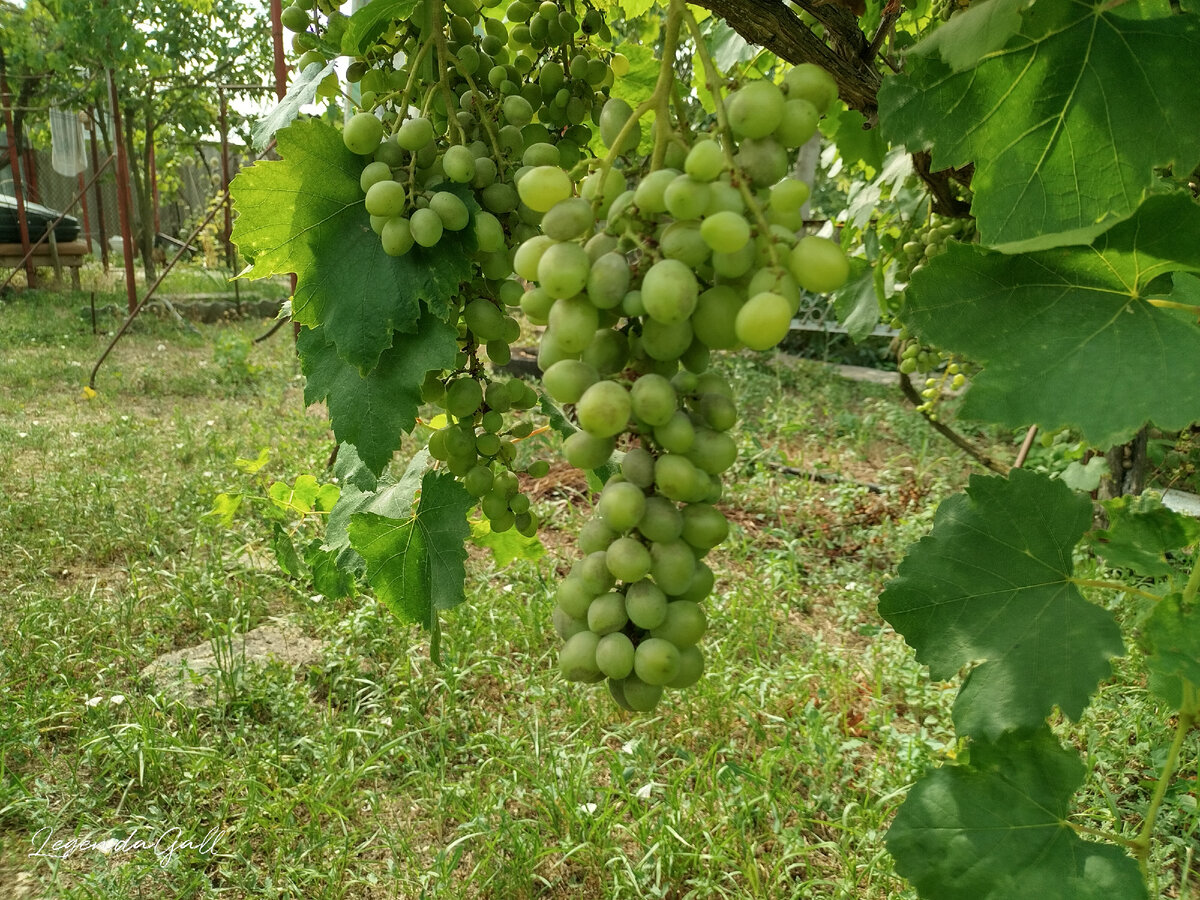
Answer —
(187, 674)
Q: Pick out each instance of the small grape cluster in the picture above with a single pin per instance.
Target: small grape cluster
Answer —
(637, 287)
(930, 241)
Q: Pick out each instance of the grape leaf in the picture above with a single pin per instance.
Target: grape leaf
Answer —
(304, 214)
(990, 587)
(638, 83)
(374, 411)
(1087, 476)
(996, 829)
(285, 550)
(1140, 533)
(1083, 75)
(1172, 635)
(635, 8)
(855, 142)
(857, 301)
(974, 33)
(386, 497)
(368, 22)
(328, 577)
(416, 565)
(301, 92)
(1065, 335)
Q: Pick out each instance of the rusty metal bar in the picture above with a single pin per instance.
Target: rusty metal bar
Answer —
(123, 194)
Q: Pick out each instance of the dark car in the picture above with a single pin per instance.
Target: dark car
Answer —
(38, 217)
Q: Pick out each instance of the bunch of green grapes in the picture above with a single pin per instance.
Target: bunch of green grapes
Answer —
(455, 107)
(929, 240)
(636, 287)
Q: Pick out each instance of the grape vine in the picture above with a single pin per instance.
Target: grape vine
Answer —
(504, 170)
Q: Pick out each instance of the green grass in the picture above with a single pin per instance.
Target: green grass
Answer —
(376, 774)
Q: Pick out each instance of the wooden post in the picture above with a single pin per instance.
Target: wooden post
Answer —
(123, 194)
(15, 163)
(100, 225)
(228, 230)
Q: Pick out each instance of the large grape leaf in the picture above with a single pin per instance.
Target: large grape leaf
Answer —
(990, 588)
(996, 829)
(415, 565)
(1066, 335)
(301, 91)
(304, 213)
(1066, 124)
(375, 410)
(368, 22)
(1141, 532)
(1172, 635)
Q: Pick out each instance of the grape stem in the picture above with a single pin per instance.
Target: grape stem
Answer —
(1189, 715)
(493, 138)
(406, 95)
(657, 101)
(443, 51)
(712, 81)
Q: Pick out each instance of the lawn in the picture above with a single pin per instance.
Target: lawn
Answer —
(373, 773)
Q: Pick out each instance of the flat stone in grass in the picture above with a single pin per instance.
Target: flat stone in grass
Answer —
(186, 675)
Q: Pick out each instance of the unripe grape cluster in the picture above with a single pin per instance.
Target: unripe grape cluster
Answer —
(475, 103)
(636, 287)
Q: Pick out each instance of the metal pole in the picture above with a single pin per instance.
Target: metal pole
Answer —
(99, 194)
(123, 194)
(14, 162)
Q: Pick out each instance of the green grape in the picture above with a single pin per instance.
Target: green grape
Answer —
(691, 667)
(296, 18)
(595, 536)
(764, 160)
(661, 521)
(544, 186)
(458, 163)
(798, 123)
(676, 476)
(637, 467)
(819, 265)
(483, 318)
(593, 570)
(613, 117)
(717, 412)
(568, 219)
(621, 506)
(723, 196)
(362, 133)
(735, 265)
(608, 352)
(577, 659)
(700, 586)
(704, 527)
(463, 397)
(615, 655)
(426, 227)
(585, 451)
(634, 695)
(705, 161)
(656, 661)
(645, 604)
(489, 233)
(563, 271)
(517, 111)
(451, 210)
(672, 566)
(628, 559)
(604, 409)
(389, 152)
(712, 452)
(573, 321)
(606, 614)
(812, 83)
(653, 399)
(666, 342)
(681, 241)
(567, 379)
(415, 134)
(529, 256)
(649, 194)
(714, 320)
(686, 198)
(396, 237)
(567, 626)
(608, 281)
(677, 435)
(374, 173)
(385, 198)
(478, 481)
(684, 624)
(593, 188)
(669, 292)
(763, 321)
(726, 231)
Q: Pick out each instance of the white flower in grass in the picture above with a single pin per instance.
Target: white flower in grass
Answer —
(116, 699)
(107, 847)
(644, 792)
(588, 809)
(94, 701)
